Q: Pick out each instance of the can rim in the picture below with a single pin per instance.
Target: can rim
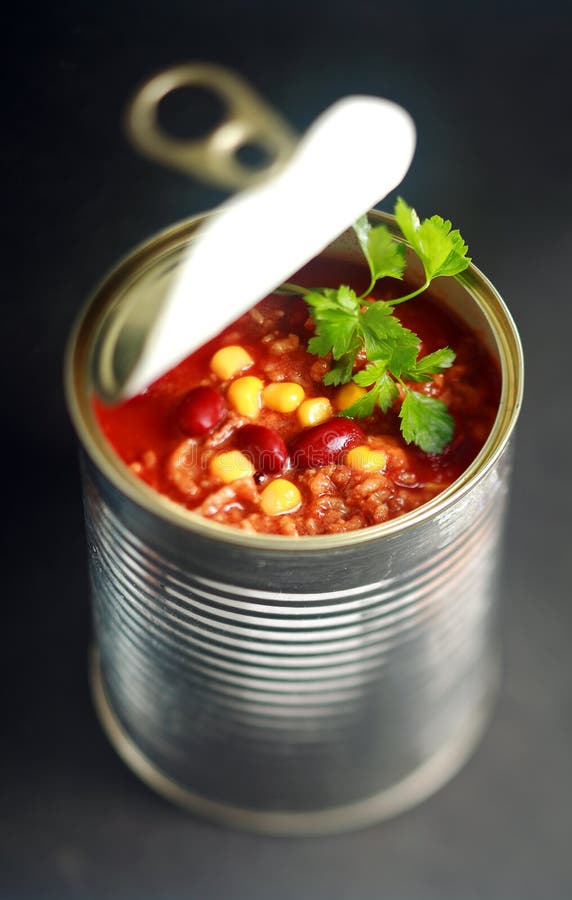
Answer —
(477, 285)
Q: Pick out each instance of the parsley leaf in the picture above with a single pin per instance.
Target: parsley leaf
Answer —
(387, 392)
(430, 365)
(341, 372)
(457, 259)
(362, 407)
(385, 337)
(371, 373)
(385, 257)
(336, 314)
(425, 422)
(346, 325)
(383, 393)
(441, 250)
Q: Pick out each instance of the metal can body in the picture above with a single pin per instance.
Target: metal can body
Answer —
(294, 685)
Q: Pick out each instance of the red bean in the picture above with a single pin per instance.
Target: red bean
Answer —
(264, 447)
(326, 443)
(201, 409)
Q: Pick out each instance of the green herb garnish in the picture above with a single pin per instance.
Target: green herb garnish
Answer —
(347, 323)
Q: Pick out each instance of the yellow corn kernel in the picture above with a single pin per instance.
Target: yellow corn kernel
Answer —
(245, 395)
(283, 396)
(314, 411)
(229, 361)
(349, 393)
(364, 459)
(230, 465)
(280, 496)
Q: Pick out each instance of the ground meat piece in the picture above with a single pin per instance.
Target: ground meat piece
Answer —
(337, 526)
(376, 508)
(149, 459)
(311, 525)
(275, 370)
(287, 526)
(397, 457)
(224, 432)
(319, 482)
(355, 522)
(326, 503)
(257, 314)
(146, 467)
(373, 484)
(319, 368)
(396, 504)
(407, 479)
(183, 467)
(340, 475)
(284, 344)
(360, 360)
(242, 491)
(434, 388)
(246, 525)
(253, 522)
(229, 515)
(266, 315)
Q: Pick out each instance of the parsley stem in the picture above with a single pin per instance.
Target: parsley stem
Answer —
(369, 289)
(412, 294)
(288, 288)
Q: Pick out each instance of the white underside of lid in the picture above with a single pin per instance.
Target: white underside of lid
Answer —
(351, 157)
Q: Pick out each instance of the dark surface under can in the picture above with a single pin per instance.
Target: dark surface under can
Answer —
(299, 685)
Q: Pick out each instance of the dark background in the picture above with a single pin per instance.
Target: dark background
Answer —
(489, 88)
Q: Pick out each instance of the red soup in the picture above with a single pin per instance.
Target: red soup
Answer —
(244, 432)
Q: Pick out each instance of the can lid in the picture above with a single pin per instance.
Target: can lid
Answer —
(320, 189)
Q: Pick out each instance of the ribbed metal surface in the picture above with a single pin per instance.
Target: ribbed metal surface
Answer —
(260, 683)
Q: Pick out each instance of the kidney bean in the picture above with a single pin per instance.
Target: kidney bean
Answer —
(201, 409)
(264, 447)
(326, 443)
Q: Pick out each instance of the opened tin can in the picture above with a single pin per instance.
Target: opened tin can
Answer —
(289, 685)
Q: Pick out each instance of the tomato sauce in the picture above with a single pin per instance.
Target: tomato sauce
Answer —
(148, 431)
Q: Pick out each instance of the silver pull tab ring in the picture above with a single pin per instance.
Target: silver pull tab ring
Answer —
(249, 121)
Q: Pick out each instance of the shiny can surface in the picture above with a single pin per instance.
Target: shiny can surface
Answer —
(290, 685)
